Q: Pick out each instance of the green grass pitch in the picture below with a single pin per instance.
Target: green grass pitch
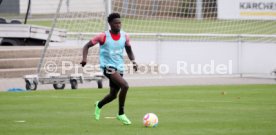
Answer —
(190, 26)
(182, 110)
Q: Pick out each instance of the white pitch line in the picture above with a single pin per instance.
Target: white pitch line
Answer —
(20, 121)
(110, 117)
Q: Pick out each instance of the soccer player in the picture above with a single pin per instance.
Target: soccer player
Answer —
(112, 44)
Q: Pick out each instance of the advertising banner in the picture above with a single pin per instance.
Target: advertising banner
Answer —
(247, 9)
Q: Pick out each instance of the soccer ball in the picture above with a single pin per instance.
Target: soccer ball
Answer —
(150, 120)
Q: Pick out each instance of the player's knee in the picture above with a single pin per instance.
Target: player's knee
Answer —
(125, 86)
(113, 96)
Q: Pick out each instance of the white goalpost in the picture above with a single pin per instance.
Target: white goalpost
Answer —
(146, 20)
(60, 62)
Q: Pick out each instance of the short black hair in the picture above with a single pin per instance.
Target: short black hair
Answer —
(113, 16)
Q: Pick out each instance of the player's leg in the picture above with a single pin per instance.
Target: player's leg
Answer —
(114, 89)
(117, 79)
(110, 96)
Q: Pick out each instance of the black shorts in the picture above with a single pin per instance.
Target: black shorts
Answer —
(109, 71)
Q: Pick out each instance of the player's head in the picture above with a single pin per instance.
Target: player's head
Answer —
(114, 22)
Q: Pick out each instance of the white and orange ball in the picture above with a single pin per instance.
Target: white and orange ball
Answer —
(150, 120)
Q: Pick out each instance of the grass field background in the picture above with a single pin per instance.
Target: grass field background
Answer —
(192, 26)
(175, 26)
(182, 110)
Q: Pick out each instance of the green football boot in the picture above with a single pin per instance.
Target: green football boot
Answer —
(97, 111)
(123, 118)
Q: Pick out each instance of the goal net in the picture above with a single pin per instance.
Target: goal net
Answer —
(200, 19)
(180, 20)
(76, 19)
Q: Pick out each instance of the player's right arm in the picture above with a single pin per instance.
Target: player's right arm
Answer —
(97, 39)
(85, 53)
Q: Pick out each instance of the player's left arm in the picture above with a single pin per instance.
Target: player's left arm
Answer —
(130, 53)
